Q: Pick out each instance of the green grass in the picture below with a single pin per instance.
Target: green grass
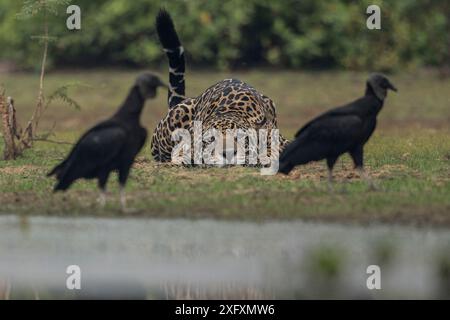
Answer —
(409, 154)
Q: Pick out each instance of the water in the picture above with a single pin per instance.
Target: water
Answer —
(179, 258)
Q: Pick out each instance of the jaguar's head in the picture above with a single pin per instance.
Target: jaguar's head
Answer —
(233, 140)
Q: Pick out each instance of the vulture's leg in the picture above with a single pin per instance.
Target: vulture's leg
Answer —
(363, 173)
(123, 199)
(330, 165)
(102, 180)
(358, 159)
(102, 198)
(123, 177)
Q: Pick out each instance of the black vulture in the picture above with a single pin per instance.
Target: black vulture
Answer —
(340, 130)
(111, 145)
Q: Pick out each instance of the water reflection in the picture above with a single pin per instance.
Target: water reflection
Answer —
(156, 258)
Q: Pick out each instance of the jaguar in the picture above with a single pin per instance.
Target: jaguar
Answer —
(226, 107)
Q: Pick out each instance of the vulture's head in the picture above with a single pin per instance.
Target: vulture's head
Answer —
(148, 83)
(380, 85)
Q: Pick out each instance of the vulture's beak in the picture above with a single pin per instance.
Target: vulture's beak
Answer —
(162, 84)
(392, 87)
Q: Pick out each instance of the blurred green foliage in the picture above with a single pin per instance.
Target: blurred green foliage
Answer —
(240, 33)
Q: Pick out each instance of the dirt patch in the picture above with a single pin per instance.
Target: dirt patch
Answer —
(18, 169)
(317, 171)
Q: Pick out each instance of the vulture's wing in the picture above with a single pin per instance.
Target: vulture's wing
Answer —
(95, 149)
(323, 135)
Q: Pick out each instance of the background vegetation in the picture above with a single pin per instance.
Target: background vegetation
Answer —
(240, 34)
(408, 156)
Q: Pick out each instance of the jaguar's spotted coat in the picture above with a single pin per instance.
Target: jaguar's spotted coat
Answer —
(228, 105)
